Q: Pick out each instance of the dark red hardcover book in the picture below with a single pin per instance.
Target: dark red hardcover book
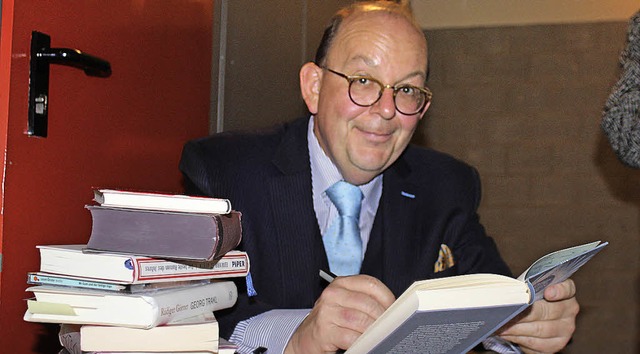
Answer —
(163, 234)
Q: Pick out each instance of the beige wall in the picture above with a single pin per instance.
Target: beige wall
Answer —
(523, 105)
(477, 13)
(265, 44)
(519, 87)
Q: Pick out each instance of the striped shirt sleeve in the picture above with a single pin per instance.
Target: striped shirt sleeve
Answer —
(271, 330)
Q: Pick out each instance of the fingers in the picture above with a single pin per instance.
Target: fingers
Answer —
(539, 320)
(368, 285)
(549, 324)
(548, 336)
(558, 327)
(355, 302)
(344, 310)
(559, 302)
(561, 291)
(549, 311)
(531, 345)
(539, 344)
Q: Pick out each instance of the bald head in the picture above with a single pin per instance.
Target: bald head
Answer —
(400, 9)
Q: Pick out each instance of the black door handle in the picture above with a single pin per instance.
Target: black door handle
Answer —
(42, 55)
(92, 66)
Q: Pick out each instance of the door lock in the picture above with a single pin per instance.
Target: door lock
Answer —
(41, 56)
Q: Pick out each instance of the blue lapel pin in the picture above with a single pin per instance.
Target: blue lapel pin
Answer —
(408, 195)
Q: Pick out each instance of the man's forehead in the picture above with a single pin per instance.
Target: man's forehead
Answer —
(357, 42)
(364, 23)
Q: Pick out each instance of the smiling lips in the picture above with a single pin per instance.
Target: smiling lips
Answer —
(375, 137)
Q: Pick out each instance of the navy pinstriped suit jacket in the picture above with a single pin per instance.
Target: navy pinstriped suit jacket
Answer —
(267, 176)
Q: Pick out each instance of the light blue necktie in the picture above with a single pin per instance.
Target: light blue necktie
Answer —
(342, 240)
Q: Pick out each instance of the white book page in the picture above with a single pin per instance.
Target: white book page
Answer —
(555, 258)
(558, 269)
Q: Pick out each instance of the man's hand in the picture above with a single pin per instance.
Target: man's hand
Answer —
(347, 307)
(548, 324)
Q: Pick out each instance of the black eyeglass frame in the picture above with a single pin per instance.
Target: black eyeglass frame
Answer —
(352, 78)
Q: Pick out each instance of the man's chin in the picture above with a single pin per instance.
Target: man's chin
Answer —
(371, 161)
(365, 170)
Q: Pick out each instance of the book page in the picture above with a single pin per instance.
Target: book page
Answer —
(553, 259)
(559, 267)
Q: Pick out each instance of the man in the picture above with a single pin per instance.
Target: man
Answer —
(418, 217)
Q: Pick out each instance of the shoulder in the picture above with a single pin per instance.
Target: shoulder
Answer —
(427, 162)
(237, 141)
(229, 159)
(244, 145)
(440, 174)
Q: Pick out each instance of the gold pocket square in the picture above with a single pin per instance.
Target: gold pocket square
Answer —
(445, 259)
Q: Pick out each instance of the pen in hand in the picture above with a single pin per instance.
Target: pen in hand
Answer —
(327, 275)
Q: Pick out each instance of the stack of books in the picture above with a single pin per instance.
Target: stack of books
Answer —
(153, 272)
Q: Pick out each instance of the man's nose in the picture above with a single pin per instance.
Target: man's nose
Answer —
(386, 106)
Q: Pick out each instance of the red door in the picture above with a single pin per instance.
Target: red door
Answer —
(124, 131)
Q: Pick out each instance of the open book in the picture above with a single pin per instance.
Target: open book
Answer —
(453, 315)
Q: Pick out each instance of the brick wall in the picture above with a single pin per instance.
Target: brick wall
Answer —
(523, 105)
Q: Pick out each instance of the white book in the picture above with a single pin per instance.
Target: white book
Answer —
(60, 304)
(452, 315)
(186, 336)
(161, 201)
(122, 268)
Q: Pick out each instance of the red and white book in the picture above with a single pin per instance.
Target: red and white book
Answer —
(120, 268)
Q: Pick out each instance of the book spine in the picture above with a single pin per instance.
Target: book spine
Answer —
(72, 262)
(127, 269)
(175, 236)
(41, 279)
(192, 301)
(229, 232)
(150, 270)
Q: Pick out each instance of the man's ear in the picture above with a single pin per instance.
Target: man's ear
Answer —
(310, 82)
(424, 110)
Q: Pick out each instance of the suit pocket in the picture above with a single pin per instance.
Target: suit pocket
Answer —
(449, 272)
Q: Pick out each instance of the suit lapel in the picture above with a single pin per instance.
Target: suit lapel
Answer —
(391, 249)
(294, 217)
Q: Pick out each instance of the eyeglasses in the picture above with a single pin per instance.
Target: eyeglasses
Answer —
(365, 91)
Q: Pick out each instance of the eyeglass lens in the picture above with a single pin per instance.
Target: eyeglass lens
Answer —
(366, 91)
